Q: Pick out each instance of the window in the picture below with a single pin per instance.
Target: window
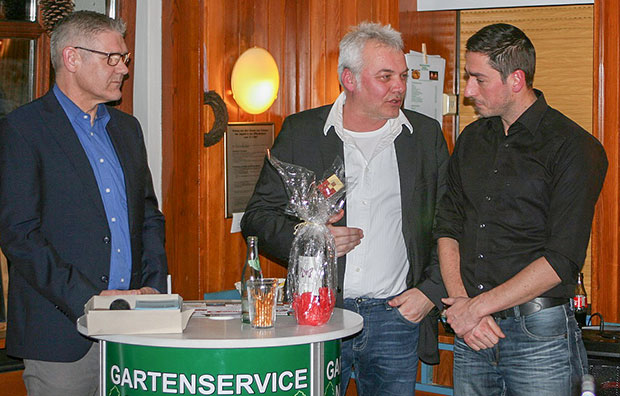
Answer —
(24, 54)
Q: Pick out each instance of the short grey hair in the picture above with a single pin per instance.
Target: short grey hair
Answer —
(80, 27)
(353, 43)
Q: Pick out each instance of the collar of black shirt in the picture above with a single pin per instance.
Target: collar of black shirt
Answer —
(529, 120)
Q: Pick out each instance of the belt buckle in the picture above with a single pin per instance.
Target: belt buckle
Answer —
(536, 306)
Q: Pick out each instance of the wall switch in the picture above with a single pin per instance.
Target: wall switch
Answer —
(449, 104)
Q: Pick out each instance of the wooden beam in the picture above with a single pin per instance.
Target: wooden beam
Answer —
(605, 241)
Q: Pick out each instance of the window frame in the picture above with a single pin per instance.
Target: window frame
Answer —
(33, 31)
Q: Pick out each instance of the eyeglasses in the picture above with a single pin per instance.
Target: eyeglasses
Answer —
(113, 57)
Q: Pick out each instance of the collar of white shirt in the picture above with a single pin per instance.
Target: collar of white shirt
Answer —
(335, 119)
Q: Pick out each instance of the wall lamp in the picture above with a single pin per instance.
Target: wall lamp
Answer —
(255, 80)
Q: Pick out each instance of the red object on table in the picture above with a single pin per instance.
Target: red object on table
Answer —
(314, 310)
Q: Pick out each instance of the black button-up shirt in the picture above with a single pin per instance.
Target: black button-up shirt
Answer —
(514, 198)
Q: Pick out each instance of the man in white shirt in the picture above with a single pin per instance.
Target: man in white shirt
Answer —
(397, 159)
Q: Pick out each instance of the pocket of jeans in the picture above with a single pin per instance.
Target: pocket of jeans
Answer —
(400, 316)
(547, 324)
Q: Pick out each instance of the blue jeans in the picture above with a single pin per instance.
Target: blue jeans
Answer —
(542, 355)
(384, 354)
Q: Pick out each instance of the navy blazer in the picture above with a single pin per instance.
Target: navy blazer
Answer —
(53, 227)
(422, 159)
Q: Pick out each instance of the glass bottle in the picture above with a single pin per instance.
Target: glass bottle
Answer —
(251, 270)
(588, 385)
(580, 301)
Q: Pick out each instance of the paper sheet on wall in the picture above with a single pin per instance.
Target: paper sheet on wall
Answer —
(425, 84)
(235, 226)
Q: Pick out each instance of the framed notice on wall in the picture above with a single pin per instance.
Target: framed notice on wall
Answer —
(245, 147)
(437, 5)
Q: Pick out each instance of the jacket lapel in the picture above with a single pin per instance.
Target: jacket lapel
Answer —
(406, 158)
(331, 148)
(59, 126)
(331, 145)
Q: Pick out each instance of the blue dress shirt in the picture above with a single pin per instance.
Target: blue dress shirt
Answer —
(110, 180)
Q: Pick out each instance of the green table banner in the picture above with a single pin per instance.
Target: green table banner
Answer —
(331, 372)
(134, 370)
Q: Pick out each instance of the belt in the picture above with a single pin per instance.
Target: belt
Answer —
(530, 307)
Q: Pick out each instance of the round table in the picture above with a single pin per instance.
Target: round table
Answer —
(226, 357)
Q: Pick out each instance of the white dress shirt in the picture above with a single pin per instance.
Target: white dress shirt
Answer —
(378, 266)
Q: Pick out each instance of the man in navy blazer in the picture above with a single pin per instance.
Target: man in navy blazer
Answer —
(398, 160)
(78, 213)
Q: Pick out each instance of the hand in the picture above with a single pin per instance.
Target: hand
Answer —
(460, 316)
(412, 304)
(484, 335)
(116, 292)
(346, 238)
(147, 290)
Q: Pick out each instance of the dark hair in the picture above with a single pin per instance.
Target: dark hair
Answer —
(508, 49)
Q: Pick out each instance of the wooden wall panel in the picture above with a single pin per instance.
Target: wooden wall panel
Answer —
(127, 12)
(289, 92)
(335, 28)
(316, 64)
(202, 40)
(606, 102)
(226, 33)
(181, 141)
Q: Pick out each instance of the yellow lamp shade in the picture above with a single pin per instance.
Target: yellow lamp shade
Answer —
(255, 80)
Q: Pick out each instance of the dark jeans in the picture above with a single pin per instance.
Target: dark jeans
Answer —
(542, 355)
(384, 353)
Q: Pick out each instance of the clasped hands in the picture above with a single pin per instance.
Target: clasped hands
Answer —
(479, 332)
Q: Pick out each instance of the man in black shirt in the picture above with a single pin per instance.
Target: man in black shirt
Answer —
(513, 227)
